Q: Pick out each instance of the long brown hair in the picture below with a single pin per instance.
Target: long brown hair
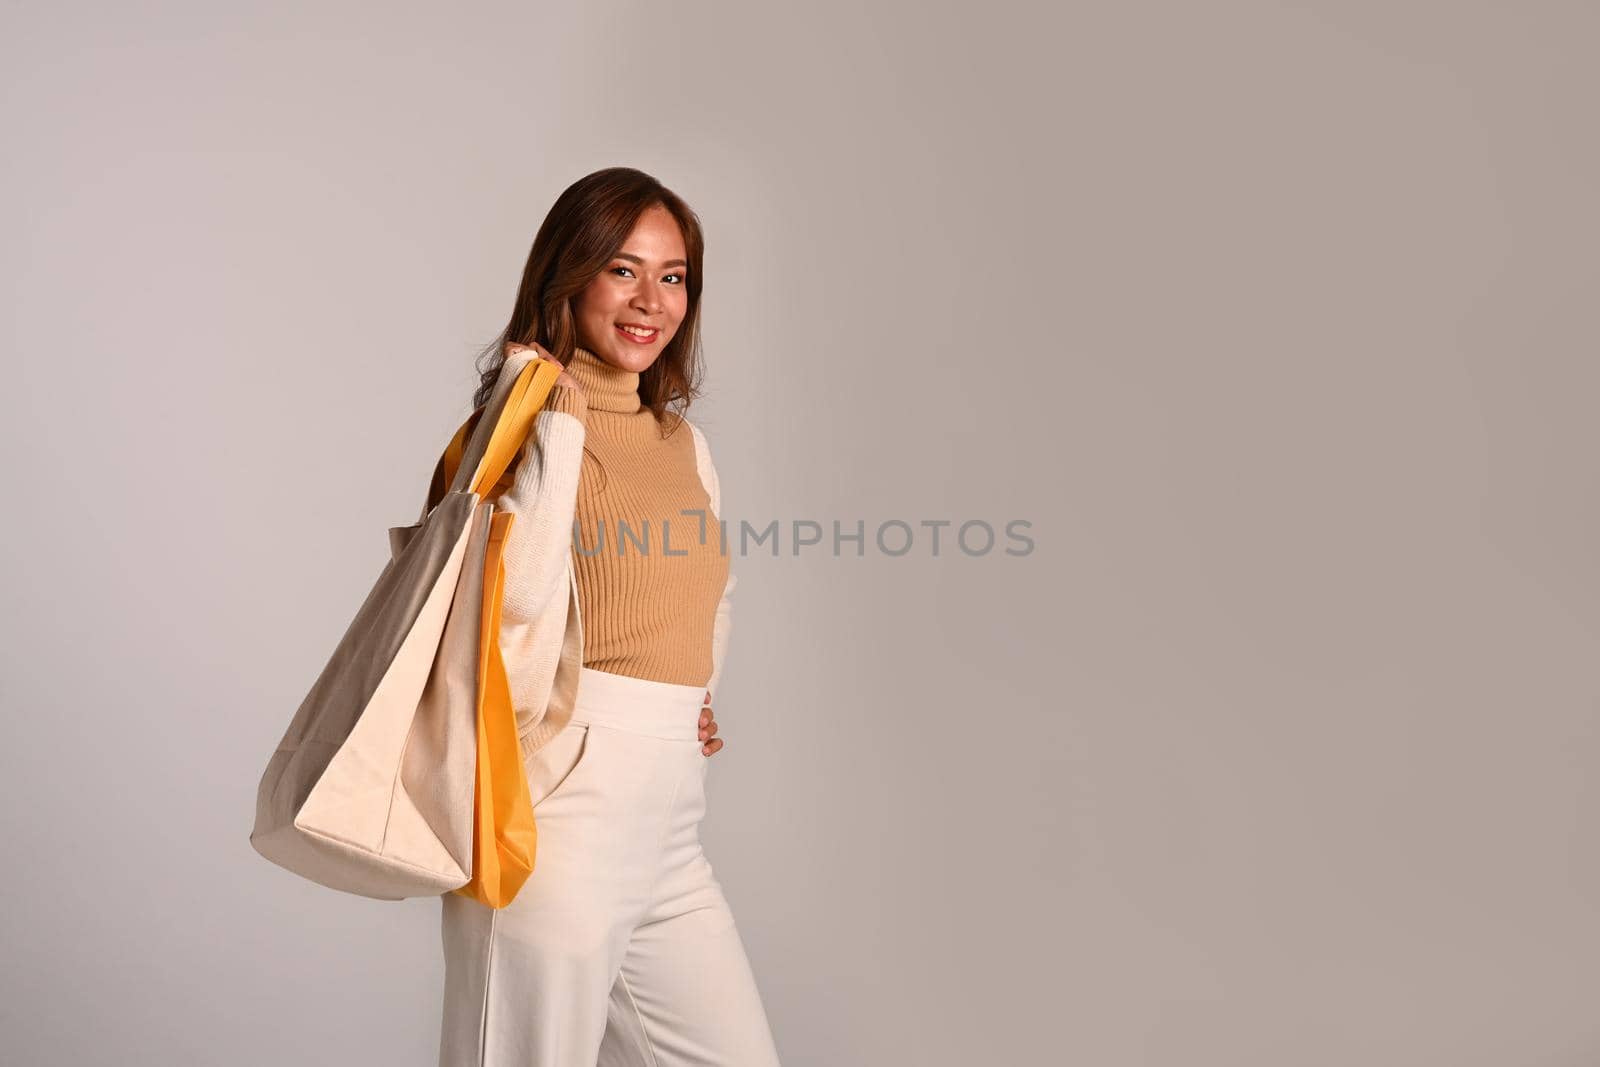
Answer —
(582, 233)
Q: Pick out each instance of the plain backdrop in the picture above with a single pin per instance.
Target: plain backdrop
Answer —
(1273, 321)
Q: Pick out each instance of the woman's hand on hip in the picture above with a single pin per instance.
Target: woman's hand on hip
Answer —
(708, 727)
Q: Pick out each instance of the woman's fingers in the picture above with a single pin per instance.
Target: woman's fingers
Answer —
(513, 347)
(708, 727)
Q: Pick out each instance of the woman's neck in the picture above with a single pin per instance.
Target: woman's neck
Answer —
(605, 388)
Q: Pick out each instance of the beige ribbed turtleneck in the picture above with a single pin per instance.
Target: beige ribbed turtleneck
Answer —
(647, 606)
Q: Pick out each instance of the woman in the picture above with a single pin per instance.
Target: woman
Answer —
(620, 949)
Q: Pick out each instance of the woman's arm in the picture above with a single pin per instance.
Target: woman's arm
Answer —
(724, 618)
(543, 499)
(719, 635)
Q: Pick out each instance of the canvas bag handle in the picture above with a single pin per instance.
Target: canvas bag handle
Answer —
(490, 457)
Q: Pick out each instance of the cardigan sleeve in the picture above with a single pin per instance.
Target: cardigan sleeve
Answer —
(543, 499)
(719, 635)
(723, 623)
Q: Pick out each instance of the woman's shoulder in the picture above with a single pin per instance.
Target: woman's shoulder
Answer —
(703, 464)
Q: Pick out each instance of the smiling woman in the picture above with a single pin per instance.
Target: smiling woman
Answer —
(621, 947)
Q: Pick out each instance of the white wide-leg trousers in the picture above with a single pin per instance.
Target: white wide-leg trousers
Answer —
(620, 950)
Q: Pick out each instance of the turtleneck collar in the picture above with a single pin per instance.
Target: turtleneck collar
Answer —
(605, 388)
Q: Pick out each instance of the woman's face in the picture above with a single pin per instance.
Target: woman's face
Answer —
(644, 286)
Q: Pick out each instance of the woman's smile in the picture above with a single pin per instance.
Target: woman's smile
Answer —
(639, 335)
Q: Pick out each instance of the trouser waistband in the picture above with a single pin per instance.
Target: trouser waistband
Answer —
(639, 705)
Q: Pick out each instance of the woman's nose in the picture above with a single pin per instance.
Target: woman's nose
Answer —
(648, 298)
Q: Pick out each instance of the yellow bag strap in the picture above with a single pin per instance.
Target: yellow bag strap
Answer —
(494, 471)
(505, 832)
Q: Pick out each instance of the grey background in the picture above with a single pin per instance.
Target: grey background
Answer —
(1273, 319)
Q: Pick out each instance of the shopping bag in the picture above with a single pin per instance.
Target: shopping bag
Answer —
(506, 837)
(373, 788)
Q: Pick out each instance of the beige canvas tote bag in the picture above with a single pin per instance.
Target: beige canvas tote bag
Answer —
(371, 790)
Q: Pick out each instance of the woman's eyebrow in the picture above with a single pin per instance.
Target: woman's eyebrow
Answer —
(636, 259)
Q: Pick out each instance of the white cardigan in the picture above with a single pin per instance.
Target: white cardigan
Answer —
(541, 628)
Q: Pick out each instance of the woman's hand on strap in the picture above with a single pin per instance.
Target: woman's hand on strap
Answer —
(563, 379)
(708, 727)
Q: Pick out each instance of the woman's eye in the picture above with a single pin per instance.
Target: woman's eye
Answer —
(629, 273)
